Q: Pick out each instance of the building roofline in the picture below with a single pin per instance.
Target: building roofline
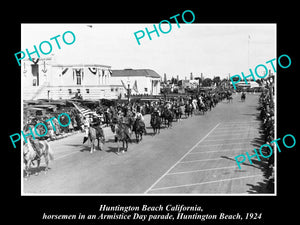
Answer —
(80, 65)
(134, 73)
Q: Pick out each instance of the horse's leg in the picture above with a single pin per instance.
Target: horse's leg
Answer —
(118, 147)
(126, 145)
(91, 151)
(38, 167)
(27, 168)
(46, 157)
(98, 139)
(123, 145)
(101, 144)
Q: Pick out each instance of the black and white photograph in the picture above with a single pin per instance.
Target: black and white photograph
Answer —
(149, 113)
(142, 109)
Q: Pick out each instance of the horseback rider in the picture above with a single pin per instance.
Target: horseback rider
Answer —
(35, 144)
(86, 124)
(123, 123)
(36, 147)
(139, 117)
(96, 124)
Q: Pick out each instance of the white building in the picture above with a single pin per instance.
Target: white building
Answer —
(250, 84)
(43, 79)
(141, 81)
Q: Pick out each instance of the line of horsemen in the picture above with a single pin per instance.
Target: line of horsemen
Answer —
(128, 118)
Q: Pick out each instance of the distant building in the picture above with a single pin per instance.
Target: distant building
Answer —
(141, 81)
(188, 83)
(43, 79)
(250, 84)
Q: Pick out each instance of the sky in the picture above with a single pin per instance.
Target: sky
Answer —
(211, 49)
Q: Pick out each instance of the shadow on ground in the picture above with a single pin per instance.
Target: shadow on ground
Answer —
(267, 185)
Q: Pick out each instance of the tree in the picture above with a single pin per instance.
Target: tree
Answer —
(235, 78)
(207, 82)
(174, 80)
(217, 80)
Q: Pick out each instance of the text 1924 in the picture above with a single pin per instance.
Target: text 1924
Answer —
(253, 216)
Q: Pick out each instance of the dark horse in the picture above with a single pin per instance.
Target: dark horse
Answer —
(201, 106)
(168, 115)
(155, 122)
(229, 98)
(139, 128)
(243, 97)
(177, 113)
(121, 132)
(188, 110)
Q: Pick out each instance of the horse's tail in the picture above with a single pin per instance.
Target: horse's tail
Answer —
(49, 150)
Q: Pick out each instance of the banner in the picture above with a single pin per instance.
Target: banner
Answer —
(93, 70)
(134, 87)
(124, 85)
(64, 71)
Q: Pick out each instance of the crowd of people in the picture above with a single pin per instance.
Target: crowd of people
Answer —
(266, 106)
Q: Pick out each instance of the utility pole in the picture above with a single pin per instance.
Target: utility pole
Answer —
(128, 93)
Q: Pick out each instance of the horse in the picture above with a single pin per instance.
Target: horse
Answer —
(176, 112)
(229, 98)
(243, 97)
(163, 115)
(209, 103)
(188, 110)
(168, 114)
(30, 155)
(155, 122)
(181, 110)
(121, 135)
(201, 106)
(139, 129)
(96, 133)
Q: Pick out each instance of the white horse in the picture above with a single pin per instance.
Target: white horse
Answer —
(30, 155)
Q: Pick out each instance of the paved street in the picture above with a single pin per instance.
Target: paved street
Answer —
(196, 156)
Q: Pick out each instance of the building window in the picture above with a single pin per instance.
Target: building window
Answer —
(87, 91)
(146, 89)
(78, 78)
